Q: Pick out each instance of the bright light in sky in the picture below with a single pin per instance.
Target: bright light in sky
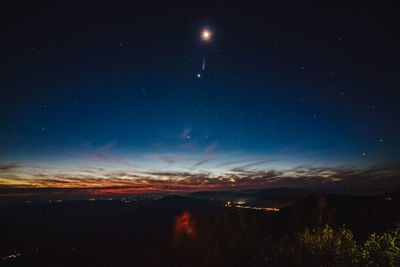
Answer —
(206, 35)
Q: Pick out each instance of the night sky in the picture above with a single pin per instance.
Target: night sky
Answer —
(129, 98)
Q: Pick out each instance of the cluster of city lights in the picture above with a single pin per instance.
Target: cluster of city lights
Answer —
(12, 256)
(241, 205)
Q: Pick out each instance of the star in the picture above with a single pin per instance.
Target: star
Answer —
(206, 35)
(198, 75)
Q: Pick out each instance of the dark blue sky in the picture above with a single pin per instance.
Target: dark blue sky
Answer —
(114, 87)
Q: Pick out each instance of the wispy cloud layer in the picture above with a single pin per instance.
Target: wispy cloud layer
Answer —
(21, 179)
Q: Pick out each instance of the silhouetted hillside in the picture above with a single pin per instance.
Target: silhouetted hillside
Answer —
(180, 230)
(362, 214)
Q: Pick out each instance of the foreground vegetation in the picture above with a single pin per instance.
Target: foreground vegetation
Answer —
(324, 246)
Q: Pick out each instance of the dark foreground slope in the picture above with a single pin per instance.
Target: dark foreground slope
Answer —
(362, 214)
(176, 231)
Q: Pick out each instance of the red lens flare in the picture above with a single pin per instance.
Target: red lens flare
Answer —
(184, 224)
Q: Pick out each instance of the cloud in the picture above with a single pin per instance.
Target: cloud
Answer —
(231, 163)
(102, 155)
(8, 166)
(186, 132)
(244, 168)
(384, 177)
(211, 147)
(162, 158)
(199, 163)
